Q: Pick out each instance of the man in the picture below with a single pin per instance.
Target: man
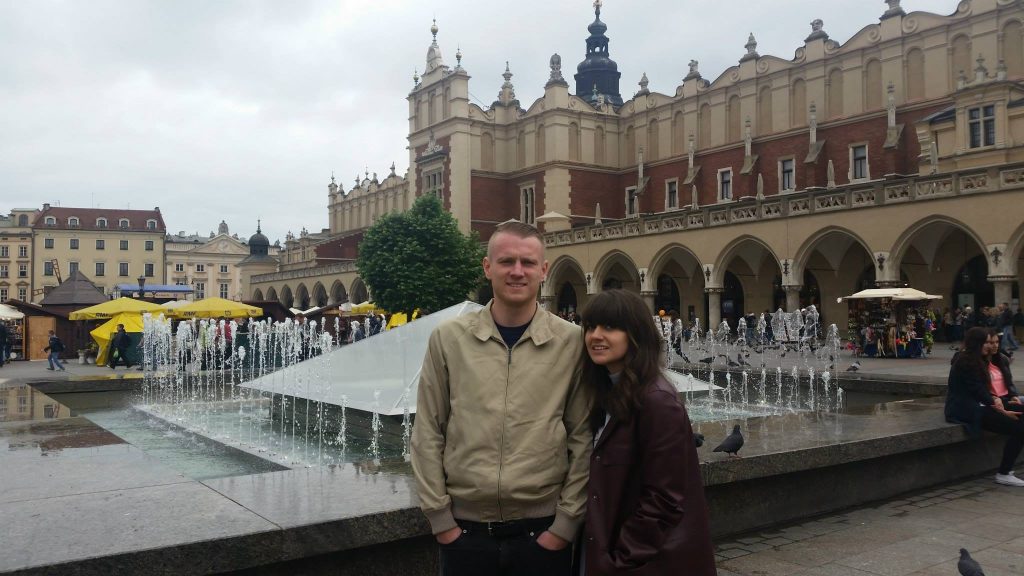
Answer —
(501, 444)
(119, 348)
(1004, 325)
(54, 347)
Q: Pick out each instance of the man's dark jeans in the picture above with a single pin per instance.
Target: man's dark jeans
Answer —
(478, 552)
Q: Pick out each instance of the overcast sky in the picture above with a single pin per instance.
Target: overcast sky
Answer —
(240, 110)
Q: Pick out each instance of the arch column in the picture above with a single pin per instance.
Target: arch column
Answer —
(887, 275)
(792, 297)
(1003, 288)
(714, 295)
(648, 297)
(546, 301)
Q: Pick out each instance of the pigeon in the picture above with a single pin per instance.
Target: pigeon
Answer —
(698, 439)
(968, 566)
(707, 360)
(854, 367)
(732, 364)
(686, 358)
(732, 443)
(741, 361)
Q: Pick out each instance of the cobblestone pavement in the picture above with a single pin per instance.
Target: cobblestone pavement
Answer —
(918, 534)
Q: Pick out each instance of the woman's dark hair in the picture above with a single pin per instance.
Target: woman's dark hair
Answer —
(622, 310)
(971, 357)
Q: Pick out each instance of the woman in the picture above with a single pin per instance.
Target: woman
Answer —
(981, 395)
(646, 513)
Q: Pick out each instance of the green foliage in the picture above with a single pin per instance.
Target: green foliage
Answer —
(419, 259)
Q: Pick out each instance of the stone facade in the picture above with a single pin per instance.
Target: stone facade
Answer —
(209, 264)
(895, 157)
(16, 254)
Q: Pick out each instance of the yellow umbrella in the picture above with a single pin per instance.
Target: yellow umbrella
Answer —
(112, 308)
(216, 308)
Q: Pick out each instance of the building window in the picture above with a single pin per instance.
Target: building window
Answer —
(981, 122)
(200, 268)
(73, 243)
(859, 162)
(124, 244)
(22, 270)
(50, 221)
(671, 194)
(73, 222)
(101, 222)
(4, 271)
(223, 290)
(200, 291)
(433, 184)
(149, 245)
(5, 251)
(123, 223)
(632, 207)
(725, 184)
(101, 244)
(101, 269)
(48, 268)
(122, 269)
(48, 243)
(151, 224)
(179, 267)
(22, 251)
(787, 180)
(22, 293)
(3, 298)
(72, 267)
(148, 270)
(526, 206)
(223, 268)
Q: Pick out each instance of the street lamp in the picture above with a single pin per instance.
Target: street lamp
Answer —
(142, 286)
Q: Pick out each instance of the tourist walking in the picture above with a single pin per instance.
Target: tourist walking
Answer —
(501, 444)
(646, 512)
(119, 345)
(54, 347)
(1004, 325)
(3, 343)
(981, 395)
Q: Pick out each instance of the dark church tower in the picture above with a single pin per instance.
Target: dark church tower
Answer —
(598, 74)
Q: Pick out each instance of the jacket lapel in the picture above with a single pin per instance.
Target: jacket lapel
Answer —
(609, 429)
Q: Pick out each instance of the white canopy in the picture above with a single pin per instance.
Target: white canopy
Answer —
(10, 313)
(892, 293)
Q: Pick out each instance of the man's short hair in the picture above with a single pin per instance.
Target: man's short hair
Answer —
(517, 229)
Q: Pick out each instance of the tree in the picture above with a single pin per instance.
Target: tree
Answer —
(419, 259)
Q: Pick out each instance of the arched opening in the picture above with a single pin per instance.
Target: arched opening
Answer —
(319, 295)
(286, 297)
(667, 297)
(971, 286)
(257, 295)
(832, 261)
(302, 297)
(567, 302)
(359, 291)
(932, 258)
(617, 270)
(272, 295)
(679, 282)
(753, 267)
(733, 304)
(338, 293)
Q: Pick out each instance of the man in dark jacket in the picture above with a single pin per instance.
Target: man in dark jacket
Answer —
(54, 347)
(119, 345)
(1004, 324)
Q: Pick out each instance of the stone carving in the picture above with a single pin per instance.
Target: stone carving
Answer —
(719, 217)
(632, 229)
(898, 193)
(1012, 176)
(652, 226)
(772, 210)
(643, 85)
(933, 156)
(816, 25)
(751, 47)
(863, 198)
(556, 69)
(830, 202)
(696, 220)
(744, 214)
(760, 187)
(693, 197)
(935, 188)
(831, 184)
(799, 206)
(580, 236)
(973, 183)
(673, 223)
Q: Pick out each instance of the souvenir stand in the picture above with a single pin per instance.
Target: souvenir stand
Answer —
(881, 322)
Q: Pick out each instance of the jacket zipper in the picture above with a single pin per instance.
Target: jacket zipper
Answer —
(504, 420)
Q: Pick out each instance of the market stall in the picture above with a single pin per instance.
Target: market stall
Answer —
(890, 322)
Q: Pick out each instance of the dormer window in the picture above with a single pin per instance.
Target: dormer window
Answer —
(50, 221)
(151, 224)
(123, 223)
(73, 222)
(101, 222)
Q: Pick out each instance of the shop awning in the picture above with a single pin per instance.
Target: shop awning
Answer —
(909, 294)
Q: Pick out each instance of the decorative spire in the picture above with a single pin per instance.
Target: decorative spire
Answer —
(415, 77)
(751, 47)
(598, 68)
(556, 71)
(434, 59)
(597, 8)
(433, 30)
(258, 230)
(332, 176)
(458, 57)
(891, 104)
(508, 92)
(392, 170)
(643, 85)
(813, 122)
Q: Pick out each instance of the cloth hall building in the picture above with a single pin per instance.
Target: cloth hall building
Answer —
(895, 158)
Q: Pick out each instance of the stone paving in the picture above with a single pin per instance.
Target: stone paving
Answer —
(918, 534)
